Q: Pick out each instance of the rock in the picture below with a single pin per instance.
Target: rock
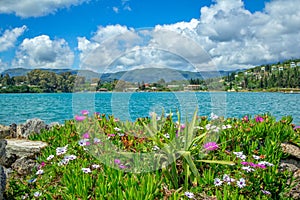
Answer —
(24, 166)
(13, 130)
(31, 126)
(292, 164)
(4, 131)
(291, 149)
(13, 149)
(2, 182)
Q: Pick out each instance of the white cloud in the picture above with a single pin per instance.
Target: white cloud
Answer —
(42, 52)
(226, 36)
(9, 37)
(116, 9)
(36, 8)
(3, 65)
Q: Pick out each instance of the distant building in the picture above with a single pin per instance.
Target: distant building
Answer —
(173, 86)
(280, 68)
(131, 89)
(263, 69)
(274, 68)
(94, 84)
(298, 64)
(103, 90)
(193, 87)
(292, 64)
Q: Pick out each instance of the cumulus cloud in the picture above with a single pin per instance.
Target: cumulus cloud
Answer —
(226, 36)
(42, 52)
(3, 65)
(9, 37)
(115, 9)
(36, 8)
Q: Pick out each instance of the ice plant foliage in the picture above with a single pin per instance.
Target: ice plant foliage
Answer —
(241, 176)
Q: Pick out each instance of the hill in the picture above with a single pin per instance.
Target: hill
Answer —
(137, 75)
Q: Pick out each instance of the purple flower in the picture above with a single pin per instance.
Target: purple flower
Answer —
(189, 195)
(296, 127)
(241, 183)
(97, 141)
(259, 119)
(244, 163)
(266, 192)
(246, 118)
(211, 146)
(84, 112)
(182, 126)
(86, 170)
(86, 135)
(122, 166)
(79, 118)
(117, 161)
(217, 182)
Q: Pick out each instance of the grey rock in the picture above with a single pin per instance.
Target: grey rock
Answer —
(24, 166)
(31, 126)
(291, 149)
(2, 182)
(4, 131)
(12, 149)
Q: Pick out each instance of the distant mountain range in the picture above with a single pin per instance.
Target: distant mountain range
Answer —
(138, 75)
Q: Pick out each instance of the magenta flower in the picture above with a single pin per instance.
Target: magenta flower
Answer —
(259, 119)
(244, 163)
(122, 166)
(86, 135)
(117, 161)
(246, 118)
(182, 126)
(84, 112)
(79, 118)
(211, 146)
(111, 135)
(296, 127)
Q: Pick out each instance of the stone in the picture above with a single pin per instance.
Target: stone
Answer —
(291, 149)
(13, 149)
(4, 131)
(24, 166)
(2, 182)
(31, 126)
(292, 164)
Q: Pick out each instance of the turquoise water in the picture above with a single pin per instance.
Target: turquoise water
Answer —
(17, 108)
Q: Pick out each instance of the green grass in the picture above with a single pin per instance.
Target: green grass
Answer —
(158, 158)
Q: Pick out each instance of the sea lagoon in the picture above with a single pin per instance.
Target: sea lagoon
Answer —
(58, 107)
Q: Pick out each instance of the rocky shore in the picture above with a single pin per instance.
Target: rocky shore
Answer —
(17, 153)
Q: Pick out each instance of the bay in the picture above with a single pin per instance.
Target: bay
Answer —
(58, 107)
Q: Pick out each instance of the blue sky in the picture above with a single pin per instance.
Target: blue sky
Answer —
(117, 35)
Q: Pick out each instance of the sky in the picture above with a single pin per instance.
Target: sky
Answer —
(118, 35)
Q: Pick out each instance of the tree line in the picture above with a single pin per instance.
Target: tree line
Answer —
(38, 81)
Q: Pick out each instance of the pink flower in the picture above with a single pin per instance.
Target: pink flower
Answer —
(259, 119)
(117, 161)
(182, 126)
(84, 112)
(79, 118)
(211, 146)
(86, 135)
(244, 163)
(246, 118)
(111, 135)
(122, 166)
